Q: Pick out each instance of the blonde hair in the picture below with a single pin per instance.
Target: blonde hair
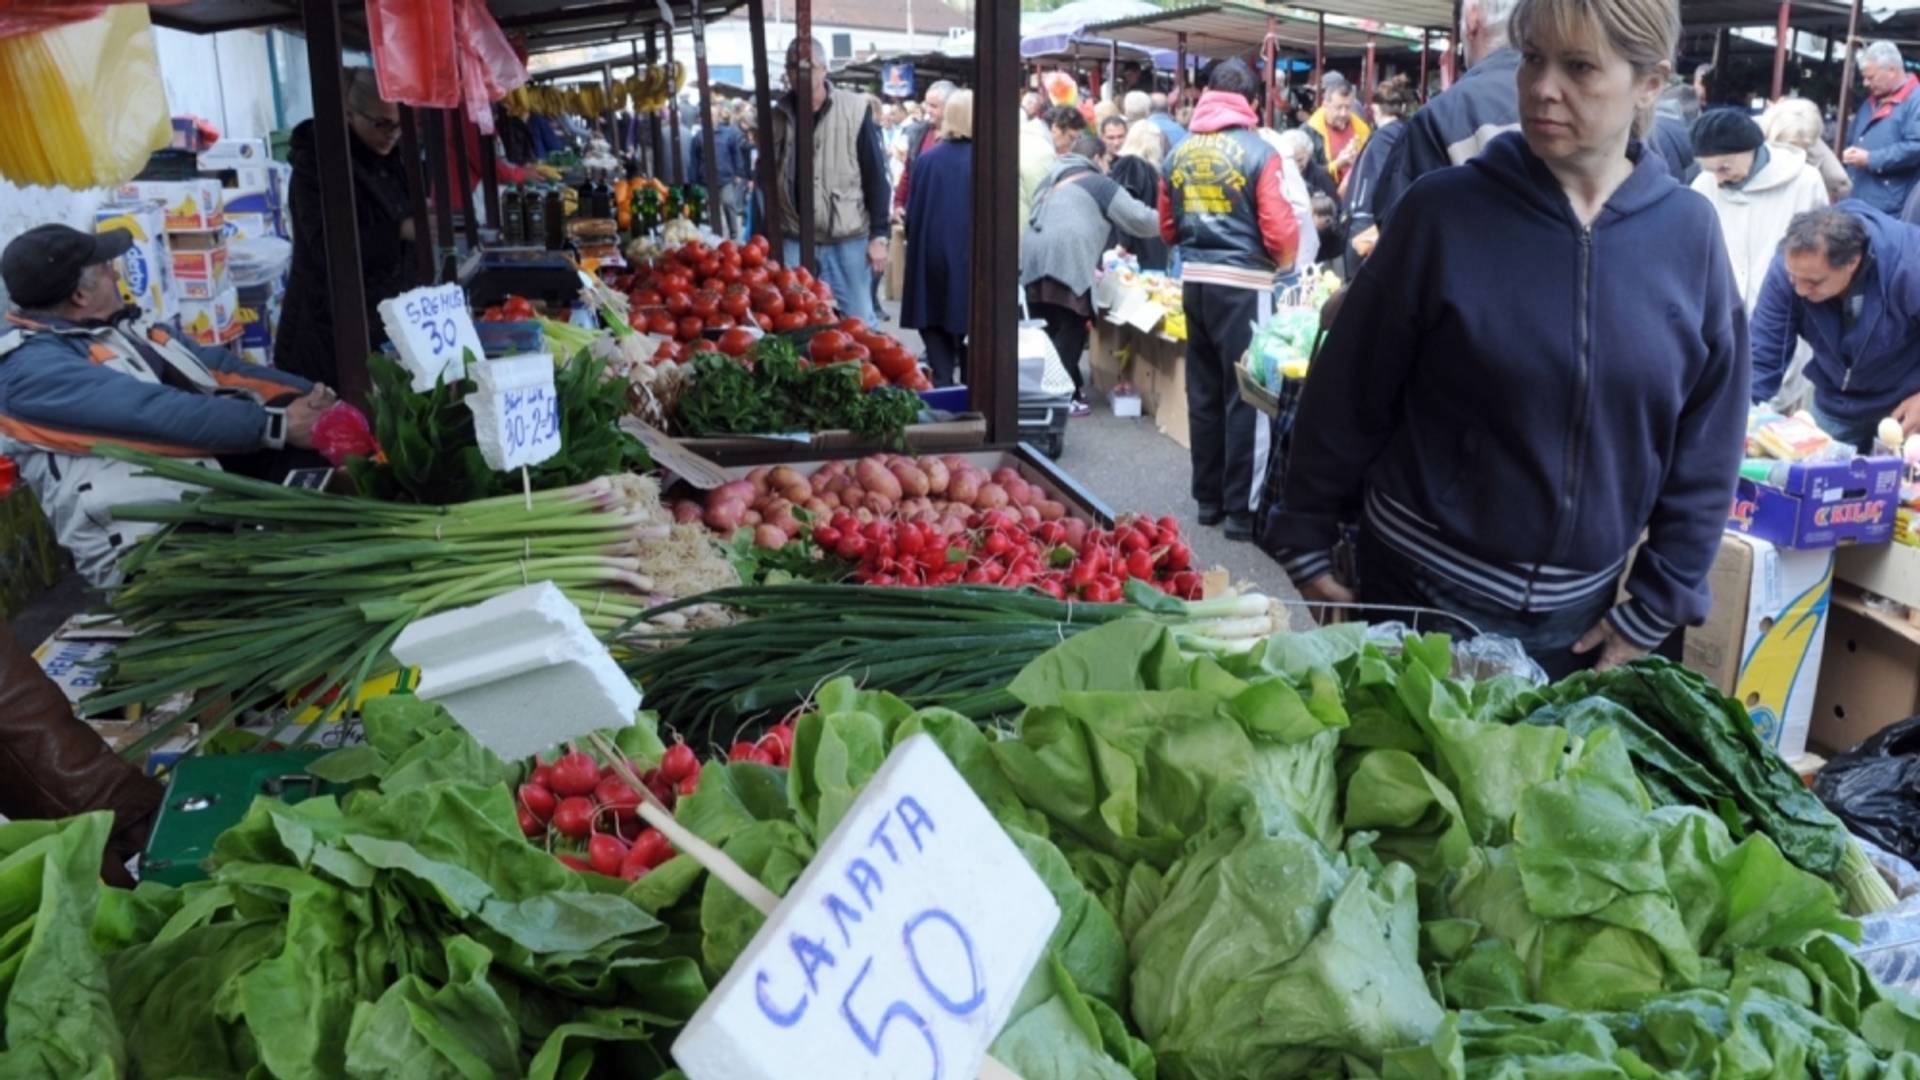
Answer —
(1145, 142)
(1793, 121)
(957, 123)
(1644, 32)
(1102, 111)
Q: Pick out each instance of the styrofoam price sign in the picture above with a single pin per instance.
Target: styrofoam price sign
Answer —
(516, 413)
(433, 332)
(899, 952)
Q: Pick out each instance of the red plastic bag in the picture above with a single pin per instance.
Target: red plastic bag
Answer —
(33, 16)
(489, 67)
(414, 51)
(342, 432)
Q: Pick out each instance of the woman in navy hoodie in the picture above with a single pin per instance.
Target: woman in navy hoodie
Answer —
(1544, 360)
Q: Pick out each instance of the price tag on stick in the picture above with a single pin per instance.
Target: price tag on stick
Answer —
(433, 333)
(899, 952)
(516, 413)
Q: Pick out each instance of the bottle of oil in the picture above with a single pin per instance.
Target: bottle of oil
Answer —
(556, 219)
(513, 220)
(533, 220)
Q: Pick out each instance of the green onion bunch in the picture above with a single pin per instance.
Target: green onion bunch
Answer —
(254, 596)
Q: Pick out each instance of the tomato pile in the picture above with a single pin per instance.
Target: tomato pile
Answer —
(512, 309)
(590, 819)
(695, 292)
(1064, 558)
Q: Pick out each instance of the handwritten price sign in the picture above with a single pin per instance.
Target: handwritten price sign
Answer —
(432, 332)
(899, 952)
(516, 414)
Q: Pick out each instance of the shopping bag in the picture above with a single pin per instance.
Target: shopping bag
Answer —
(82, 105)
(414, 57)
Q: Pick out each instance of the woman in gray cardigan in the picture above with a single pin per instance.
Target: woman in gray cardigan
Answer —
(1075, 211)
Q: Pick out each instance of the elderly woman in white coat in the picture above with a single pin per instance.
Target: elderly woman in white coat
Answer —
(1756, 187)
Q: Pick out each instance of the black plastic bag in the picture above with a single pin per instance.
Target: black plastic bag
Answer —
(1875, 788)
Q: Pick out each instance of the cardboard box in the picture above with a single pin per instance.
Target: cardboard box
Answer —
(1890, 570)
(191, 205)
(1822, 504)
(1761, 643)
(1870, 677)
(146, 270)
(257, 314)
(199, 265)
(211, 322)
(234, 154)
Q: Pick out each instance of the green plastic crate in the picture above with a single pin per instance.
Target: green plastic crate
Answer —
(206, 796)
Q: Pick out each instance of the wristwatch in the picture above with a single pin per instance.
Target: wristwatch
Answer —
(275, 435)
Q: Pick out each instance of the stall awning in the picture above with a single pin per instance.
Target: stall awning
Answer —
(541, 24)
(1419, 14)
(1219, 30)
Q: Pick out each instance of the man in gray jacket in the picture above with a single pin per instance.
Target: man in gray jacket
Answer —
(1074, 212)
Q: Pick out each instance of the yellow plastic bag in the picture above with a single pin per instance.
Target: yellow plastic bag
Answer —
(82, 105)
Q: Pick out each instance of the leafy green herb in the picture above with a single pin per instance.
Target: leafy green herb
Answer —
(779, 394)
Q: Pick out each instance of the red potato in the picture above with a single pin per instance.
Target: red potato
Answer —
(839, 482)
(769, 536)
(725, 515)
(1005, 475)
(992, 497)
(818, 508)
(954, 463)
(758, 478)
(751, 518)
(1051, 510)
(783, 477)
(880, 505)
(937, 476)
(818, 481)
(835, 468)
(1076, 532)
(829, 500)
(853, 499)
(876, 479)
(741, 491)
(798, 494)
(1019, 492)
(686, 511)
(1030, 517)
(912, 480)
(964, 487)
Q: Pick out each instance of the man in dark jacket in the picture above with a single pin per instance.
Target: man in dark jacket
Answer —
(1459, 123)
(1883, 146)
(735, 169)
(383, 211)
(1847, 282)
(1221, 203)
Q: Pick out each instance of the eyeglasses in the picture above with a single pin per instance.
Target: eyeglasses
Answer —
(379, 124)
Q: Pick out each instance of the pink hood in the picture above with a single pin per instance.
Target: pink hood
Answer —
(1219, 110)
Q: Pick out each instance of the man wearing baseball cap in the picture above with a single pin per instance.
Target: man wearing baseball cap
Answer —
(79, 367)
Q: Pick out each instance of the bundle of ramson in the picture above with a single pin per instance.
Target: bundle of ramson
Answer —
(1312, 858)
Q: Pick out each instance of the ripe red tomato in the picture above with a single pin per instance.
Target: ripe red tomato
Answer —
(798, 300)
(722, 321)
(827, 344)
(661, 323)
(823, 316)
(706, 303)
(852, 353)
(736, 301)
(765, 321)
(782, 279)
(854, 325)
(678, 302)
(735, 342)
(728, 247)
(870, 377)
(689, 328)
(895, 363)
(645, 298)
(767, 300)
(709, 267)
(753, 257)
(789, 320)
(754, 275)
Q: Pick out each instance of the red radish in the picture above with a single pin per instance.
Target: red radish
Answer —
(689, 784)
(679, 762)
(542, 774)
(652, 848)
(759, 755)
(740, 751)
(530, 825)
(662, 789)
(614, 794)
(575, 862)
(575, 774)
(1140, 565)
(539, 799)
(633, 869)
(605, 854)
(574, 817)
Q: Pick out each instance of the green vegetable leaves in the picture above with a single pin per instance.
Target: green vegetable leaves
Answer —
(780, 394)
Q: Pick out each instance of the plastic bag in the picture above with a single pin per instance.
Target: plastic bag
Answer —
(342, 432)
(414, 51)
(1875, 788)
(489, 68)
(1478, 658)
(82, 105)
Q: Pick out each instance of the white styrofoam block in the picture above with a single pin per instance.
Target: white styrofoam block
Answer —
(521, 672)
(432, 332)
(900, 951)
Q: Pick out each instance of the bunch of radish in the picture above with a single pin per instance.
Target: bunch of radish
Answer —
(942, 493)
(583, 807)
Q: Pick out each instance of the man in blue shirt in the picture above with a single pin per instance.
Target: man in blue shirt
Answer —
(736, 169)
(1168, 125)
